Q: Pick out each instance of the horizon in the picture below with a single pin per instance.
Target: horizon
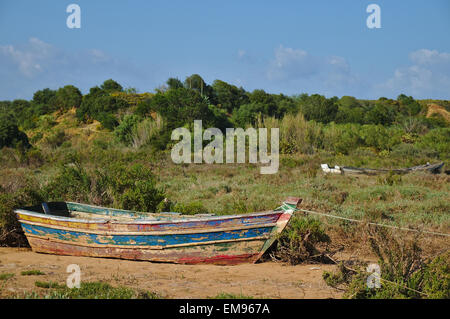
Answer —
(291, 48)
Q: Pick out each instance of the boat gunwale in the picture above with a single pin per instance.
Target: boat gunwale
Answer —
(141, 221)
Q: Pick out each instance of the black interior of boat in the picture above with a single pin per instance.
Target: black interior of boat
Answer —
(50, 208)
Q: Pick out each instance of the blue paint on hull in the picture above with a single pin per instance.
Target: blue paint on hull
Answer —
(145, 240)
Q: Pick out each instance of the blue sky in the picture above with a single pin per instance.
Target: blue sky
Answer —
(286, 47)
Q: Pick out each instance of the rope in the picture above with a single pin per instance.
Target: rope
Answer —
(286, 207)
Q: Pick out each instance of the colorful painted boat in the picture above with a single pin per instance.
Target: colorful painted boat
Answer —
(67, 228)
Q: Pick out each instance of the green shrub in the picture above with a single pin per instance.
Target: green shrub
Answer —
(107, 120)
(437, 140)
(46, 122)
(56, 138)
(297, 243)
(72, 183)
(124, 131)
(10, 135)
(190, 208)
(342, 138)
(389, 179)
(412, 151)
(25, 194)
(134, 188)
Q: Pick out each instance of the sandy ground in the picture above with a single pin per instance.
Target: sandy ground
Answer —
(263, 280)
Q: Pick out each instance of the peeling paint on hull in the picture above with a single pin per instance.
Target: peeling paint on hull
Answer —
(239, 253)
(224, 240)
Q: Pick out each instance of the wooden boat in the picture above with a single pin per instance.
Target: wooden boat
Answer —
(67, 228)
(430, 168)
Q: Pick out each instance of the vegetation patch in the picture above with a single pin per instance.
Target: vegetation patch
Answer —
(6, 276)
(225, 295)
(88, 290)
(298, 242)
(404, 272)
(32, 273)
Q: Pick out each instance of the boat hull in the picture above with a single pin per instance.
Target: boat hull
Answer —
(225, 240)
(219, 254)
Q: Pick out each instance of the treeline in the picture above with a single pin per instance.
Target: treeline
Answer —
(220, 104)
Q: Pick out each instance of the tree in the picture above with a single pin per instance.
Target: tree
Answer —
(318, 108)
(285, 105)
(408, 105)
(67, 97)
(10, 135)
(380, 114)
(195, 82)
(349, 111)
(247, 114)
(266, 102)
(100, 105)
(348, 102)
(174, 83)
(45, 96)
(228, 96)
(350, 115)
(111, 86)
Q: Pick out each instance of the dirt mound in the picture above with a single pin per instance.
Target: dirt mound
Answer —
(435, 108)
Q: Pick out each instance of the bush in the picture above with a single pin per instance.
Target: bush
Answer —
(55, 139)
(341, 138)
(21, 192)
(437, 140)
(72, 183)
(146, 131)
(190, 208)
(107, 120)
(10, 135)
(297, 243)
(125, 129)
(134, 188)
(299, 136)
(412, 151)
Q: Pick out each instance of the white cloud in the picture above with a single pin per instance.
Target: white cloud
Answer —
(429, 57)
(304, 72)
(290, 63)
(428, 76)
(35, 65)
(29, 59)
